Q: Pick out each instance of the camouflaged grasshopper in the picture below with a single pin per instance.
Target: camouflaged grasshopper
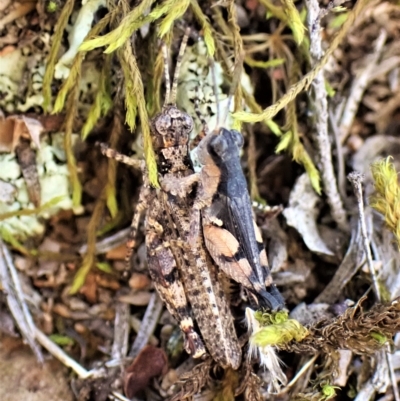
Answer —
(231, 235)
(185, 276)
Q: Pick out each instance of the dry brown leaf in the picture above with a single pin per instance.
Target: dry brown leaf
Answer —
(89, 289)
(151, 362)
(117, 253)
(14, 127)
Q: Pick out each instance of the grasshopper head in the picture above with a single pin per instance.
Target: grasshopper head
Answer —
(171, 128)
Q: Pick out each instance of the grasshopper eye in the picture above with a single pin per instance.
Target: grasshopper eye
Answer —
(187, 123)
(162, 124)
(218, 145)
(237, 138)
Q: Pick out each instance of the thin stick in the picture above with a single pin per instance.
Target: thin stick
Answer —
(166, 74)
(148, 325)
(356, 179)
(121, 331)
(320, 133)
(300, 373)
(392, 374)
(11, 285)
(174, 89)
(58, 353)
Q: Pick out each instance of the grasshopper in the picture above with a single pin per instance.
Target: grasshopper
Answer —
(231, 235)
(185, 276)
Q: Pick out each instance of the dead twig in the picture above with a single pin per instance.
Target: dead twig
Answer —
(148, 325)
(320, 134)
(15, 299)
(356, 179)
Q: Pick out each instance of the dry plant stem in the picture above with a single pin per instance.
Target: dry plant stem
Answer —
(339, 155)
(119, 396)
(358, 87)
(356, 179)
(71, 161)
(352, 261)
(392, 375)
(51, 62)
(15, 300)
(320, 134)
(300, 373)
(304, 83)
(121, 331)
(148, 325)
(108, 243)
(251, 161)
(58, 353)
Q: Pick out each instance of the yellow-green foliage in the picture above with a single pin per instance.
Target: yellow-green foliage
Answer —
(69, 83)
(264, 64)
(387, 194)
(75, 71)
(51, 62)
(305, 82)
(328, 391)
(206, 26)
(288, 14)
(290, 141)
(7, 236)
(277, 329)
(61, 340)
(90, 258)
(71, 161)
(136, 94)
(379, 337)
(31, 212)
(294, 20)
(117, 37)
(173, 9)
(102, 102)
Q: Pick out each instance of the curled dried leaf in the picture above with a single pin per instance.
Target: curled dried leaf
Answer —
(151, 362)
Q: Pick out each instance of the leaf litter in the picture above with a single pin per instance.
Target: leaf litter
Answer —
(64, 209)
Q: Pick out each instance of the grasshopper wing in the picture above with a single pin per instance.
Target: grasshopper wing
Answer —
(231, 235)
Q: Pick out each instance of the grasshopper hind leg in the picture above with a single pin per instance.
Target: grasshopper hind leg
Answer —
(163, 268)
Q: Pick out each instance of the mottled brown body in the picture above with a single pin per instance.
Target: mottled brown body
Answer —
(164, 260)
(199, 275)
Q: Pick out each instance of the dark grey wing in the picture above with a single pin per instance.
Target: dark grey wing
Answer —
(231, 244)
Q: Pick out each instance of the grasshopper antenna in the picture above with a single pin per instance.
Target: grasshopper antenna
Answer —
(166, 74)
(174, 89)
